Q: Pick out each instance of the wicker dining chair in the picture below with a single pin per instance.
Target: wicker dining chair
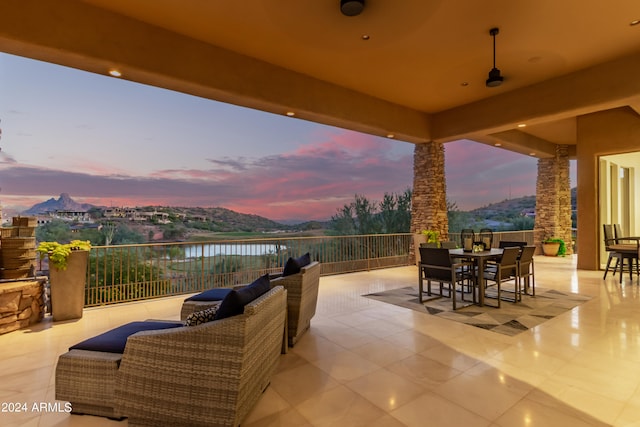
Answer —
(610, 239)
(438, 266)
(503, 270)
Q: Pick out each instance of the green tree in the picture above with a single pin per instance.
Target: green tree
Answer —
(115, 275)
(172, 233)
(108, 230)
(125, 235)
(395, 212)
(366, 220)
(522, 223)
(55, 231)
(91, 234)
(457, 218)
(404, 211)
(388, 209)
(362, 216)
(343, 222)
(175, 252)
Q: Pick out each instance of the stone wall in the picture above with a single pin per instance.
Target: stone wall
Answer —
(429, 199)
(553, 200)
(21, 304)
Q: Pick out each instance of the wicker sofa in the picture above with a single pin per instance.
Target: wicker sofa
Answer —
(211, 374)
(302, 299)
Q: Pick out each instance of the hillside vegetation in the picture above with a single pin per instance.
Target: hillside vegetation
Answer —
(197, 223)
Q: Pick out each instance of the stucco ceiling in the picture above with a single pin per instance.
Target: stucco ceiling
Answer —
(420, 75)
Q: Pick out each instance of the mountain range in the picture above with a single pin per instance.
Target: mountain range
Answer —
(224, 219)
(63, 203)
(227, 218)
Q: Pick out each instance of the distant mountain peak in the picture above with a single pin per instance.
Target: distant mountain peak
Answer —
(63, 203)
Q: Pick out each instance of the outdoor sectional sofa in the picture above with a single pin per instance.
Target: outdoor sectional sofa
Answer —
(300, 277)
(211, 374)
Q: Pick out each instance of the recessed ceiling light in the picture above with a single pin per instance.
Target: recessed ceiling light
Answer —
(366, 37)
(522, 125)
(464, 84)
(498, 144)
(390, 135)
(290, 113)
(634, 22)
(532, 154)
(115, 73)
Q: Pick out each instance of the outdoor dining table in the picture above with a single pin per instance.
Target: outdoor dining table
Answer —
(480, 258)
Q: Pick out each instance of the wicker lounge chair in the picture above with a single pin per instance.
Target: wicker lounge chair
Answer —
(302, 298)
(206, 375)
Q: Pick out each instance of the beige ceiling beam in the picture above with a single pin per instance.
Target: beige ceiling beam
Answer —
(605, 86)
(535, 147)
(78, 35)
(509, 146)
(531, 145)
(635, 105)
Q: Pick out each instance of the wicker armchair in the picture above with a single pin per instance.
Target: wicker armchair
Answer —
(302, 298)
(206, 375)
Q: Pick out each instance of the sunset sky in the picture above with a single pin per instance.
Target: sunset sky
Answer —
(111, 142)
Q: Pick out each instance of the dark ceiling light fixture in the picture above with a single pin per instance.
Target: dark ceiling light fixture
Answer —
(495, 79)
(351, 7)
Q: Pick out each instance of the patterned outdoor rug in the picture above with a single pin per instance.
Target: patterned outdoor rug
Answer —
(509, 319)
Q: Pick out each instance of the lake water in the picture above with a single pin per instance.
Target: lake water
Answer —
(209, 250)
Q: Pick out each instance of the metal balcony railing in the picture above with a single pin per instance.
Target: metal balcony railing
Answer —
(125, 273)
(135, 272)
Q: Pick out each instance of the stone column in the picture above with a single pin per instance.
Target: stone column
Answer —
(553, 200)
(429, 199)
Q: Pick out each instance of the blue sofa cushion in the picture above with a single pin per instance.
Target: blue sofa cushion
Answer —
(114, 341)
(215, 294)
(293, 265)
(233, 304)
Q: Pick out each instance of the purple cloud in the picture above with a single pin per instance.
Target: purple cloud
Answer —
(311, 182)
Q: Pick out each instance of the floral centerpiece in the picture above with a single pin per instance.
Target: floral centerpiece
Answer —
(59, 252)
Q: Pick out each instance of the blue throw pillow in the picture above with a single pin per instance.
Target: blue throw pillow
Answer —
(293, 266)
(215, 294)
(115, 340)
(233, 304)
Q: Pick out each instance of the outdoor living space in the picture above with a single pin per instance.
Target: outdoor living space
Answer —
(365, 362)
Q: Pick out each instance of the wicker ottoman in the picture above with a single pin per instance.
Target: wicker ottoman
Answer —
(87, 379)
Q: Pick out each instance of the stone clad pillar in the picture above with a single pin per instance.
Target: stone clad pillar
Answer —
(553, 200)
(429, 199)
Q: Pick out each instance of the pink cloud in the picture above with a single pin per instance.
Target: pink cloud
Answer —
(324, 175)
(478, 175)
(311, 182)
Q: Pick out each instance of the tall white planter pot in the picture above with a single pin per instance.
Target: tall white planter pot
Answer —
(67, 287)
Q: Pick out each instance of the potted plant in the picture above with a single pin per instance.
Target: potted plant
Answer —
(431, 236)
(553, 246)
(426, 236)
(67, 276)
